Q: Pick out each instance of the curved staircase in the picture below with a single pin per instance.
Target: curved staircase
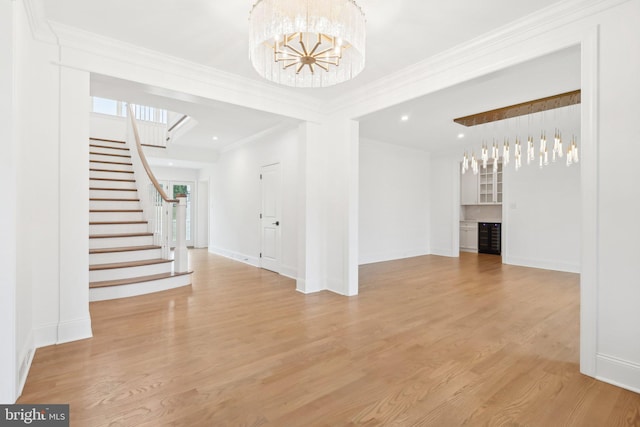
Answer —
(123, 259)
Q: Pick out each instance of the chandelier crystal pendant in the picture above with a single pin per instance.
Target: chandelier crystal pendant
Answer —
(307, 43)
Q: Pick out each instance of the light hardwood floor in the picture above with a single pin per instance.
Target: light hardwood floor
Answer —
(430, 341)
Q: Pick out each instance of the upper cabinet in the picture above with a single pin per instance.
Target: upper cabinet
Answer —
(468, 188)
(490, 185)
(482, 189)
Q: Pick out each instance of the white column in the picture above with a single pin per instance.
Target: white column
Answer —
(328, 206)
(181, 254)
(8, 213)
(74, 322)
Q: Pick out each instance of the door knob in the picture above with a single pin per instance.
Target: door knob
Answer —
(276, 223)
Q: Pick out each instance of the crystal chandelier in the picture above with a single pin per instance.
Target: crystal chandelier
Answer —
(307, 43)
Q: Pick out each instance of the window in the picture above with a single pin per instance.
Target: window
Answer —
(112, 107)
(106, 106)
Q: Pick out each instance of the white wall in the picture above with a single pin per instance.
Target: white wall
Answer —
(445, 205)
(51, 130)
(236, 199)
(618, 268)
(8, 214)
(108, 127)
(394, 202)
(542, 218)
(38, 192)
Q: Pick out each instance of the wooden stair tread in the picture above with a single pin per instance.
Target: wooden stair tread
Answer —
(107, 170)
(111, 148)
(126, 264)
(106, 236)
(113, 189)
(112, 179)
(110, 163)
(133, 280)
(123, 249)
(110, 154)
(107, 140)
(117, 222)
(113, 200)
(115, 210)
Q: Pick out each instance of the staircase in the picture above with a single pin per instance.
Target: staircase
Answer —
(123, 261)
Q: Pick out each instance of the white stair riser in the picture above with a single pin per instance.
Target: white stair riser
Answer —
(123, 185)
(112, 175)
(110, 166)
(105, 158)
(113, 292)
(112, 257)
(117, 228)
(108, 143)
(115, 205)
(120, 242)
(115, 216)
(113, 194)
(128, 272)
(115, 150)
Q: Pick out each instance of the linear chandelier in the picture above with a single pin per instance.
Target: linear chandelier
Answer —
(527, 108)
(307, 43)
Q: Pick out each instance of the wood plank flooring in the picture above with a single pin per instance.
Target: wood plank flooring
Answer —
(430, 341)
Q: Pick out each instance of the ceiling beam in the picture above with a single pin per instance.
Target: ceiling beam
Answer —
(522, 109)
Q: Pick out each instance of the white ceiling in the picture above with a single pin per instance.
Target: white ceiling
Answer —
(400, 33)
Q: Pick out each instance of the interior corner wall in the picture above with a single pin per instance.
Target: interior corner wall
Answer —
(8, 214)
(51, 197)
(618, 269)
(394, 202)
(74, 320)
(445, 205)
(541, 217)
(235, 197)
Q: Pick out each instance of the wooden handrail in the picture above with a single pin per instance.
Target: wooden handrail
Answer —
(143, 159)
(176, 124)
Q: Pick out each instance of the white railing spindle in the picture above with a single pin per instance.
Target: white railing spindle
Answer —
(158, 207)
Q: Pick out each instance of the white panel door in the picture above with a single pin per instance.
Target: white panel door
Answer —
(270, 218)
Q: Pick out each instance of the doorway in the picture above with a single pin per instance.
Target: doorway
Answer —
(173, 188)
(270, 216)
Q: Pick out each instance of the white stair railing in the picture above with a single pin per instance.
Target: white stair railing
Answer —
(157, 206)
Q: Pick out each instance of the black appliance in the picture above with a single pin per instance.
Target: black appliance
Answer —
(489, 237)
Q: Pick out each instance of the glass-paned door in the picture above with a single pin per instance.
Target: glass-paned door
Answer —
(173, 188)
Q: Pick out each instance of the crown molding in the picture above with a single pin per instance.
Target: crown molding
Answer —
(38, 24)
(444, 69)
(89, 51)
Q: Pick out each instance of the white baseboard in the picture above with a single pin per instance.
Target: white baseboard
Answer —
(544, 264)
(448, 252)
(620, 373)
(390, 256)
(237, 256)
(46, 335)
(24, 362)
(74, 330)
(306, 288)
(288, 271)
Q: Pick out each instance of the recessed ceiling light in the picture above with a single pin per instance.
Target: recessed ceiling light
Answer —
(404, 118)
(170, 163)
(215, 138)
(460, 135)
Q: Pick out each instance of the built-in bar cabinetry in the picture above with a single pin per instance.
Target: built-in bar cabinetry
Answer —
(485, 188)
(469, 236)
(481, 202)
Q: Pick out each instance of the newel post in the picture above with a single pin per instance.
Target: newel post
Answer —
(181, 258)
